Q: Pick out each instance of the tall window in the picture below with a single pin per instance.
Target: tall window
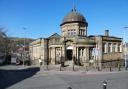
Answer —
(109, 47)
(119, 47)
(104, 49)
(114, 47)
(72, 32)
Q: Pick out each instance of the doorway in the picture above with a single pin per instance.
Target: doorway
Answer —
(69, 54)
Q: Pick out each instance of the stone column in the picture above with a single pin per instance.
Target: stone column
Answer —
(111, 47)
(84, 55)
(116, 47)
(74, 56)
(77, 56)
(106, 47)
(50, 54)
(81, 56)
(121, 47)
(64, 51)
(87, 56)
(75, 51)
(53, 55)
(85, 31)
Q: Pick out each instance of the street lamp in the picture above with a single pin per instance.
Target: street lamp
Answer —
(24, 46)
(125, 54)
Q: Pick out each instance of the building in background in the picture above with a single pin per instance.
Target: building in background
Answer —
(75, 46)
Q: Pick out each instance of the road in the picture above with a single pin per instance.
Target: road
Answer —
(33, 78)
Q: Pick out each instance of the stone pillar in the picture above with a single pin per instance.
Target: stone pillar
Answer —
(77, 56)
(74, 54)
(87, 56)
(64, 51)
(85, 31)
(77, 32)
(106, 47)
(80, 55)
(50, 54)
(84, 55)
(75, 51)
(53, 55)
(111, 47)
(116, 48)
(121, 47)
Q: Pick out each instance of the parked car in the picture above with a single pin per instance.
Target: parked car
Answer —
(2, 59)
(13, 59)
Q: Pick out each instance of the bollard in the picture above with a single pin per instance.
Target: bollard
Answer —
(125, 68)
(110, 69)
(60, 67)
(69, 88)
(47, 67)
(73, 68)
(98, 68)
(119, 67)
(104, 85)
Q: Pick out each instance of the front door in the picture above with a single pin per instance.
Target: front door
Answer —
(69, 54)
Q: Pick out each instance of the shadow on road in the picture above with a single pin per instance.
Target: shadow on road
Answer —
(11, 77)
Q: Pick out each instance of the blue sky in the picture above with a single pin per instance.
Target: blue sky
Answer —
(42, 18)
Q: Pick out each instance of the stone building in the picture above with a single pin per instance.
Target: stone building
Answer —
(75, 46)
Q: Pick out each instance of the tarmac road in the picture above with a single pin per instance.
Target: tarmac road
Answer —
(13, 77)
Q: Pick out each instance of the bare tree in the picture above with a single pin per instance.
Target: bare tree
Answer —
(3, 41)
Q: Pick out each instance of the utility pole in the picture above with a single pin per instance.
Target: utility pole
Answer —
(125, 48)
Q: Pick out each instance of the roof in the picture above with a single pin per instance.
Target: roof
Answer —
(55, 35)
(74, 16)
(105, 36)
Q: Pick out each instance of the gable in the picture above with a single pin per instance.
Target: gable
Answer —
(55, 35)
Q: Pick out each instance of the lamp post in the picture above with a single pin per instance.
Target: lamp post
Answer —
(24, 47)
(125, 54)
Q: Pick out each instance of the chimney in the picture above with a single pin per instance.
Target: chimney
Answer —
(106, 32)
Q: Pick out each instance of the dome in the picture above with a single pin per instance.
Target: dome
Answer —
(74, 16)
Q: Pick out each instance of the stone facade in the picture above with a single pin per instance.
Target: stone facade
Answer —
(75, 46)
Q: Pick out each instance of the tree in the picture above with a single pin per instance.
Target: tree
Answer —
(3, 41)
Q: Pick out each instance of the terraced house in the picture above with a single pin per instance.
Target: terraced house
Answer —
(74, 45)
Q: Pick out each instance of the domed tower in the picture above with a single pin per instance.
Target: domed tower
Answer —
(74, 24)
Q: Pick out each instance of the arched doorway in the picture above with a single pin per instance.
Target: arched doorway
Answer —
(69, 53)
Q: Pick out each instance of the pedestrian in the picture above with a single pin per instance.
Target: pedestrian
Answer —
(40, 62)
(62, 61)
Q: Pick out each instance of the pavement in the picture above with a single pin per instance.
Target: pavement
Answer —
(36, 77)
(55, 69)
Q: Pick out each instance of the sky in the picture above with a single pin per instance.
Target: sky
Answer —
(42, 18)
